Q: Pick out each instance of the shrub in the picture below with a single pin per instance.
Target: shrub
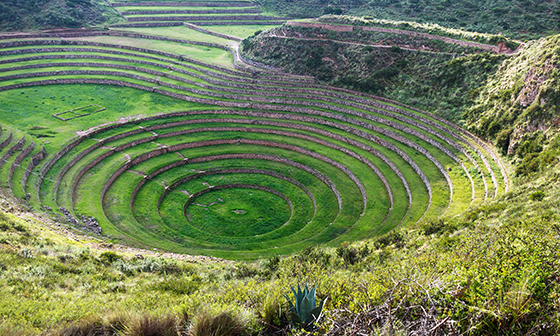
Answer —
(9, 330)
(537, 196)
(272, 312)
(149, 265)
(26, 253)
(314, 256)
(109, 257)
(272, 264)
(225, 323)
(244, 271)
(348, 254)
(90, 326)
(148, 325)
(390, 238)
(181, 286)
(433, 226)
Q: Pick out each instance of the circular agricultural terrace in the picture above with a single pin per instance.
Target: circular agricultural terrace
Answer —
(280, 163)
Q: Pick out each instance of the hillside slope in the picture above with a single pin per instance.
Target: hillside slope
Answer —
(428, 74)
(516, 18)
(45, 14)
(519, 106)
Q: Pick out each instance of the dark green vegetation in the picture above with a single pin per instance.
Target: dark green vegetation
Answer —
(424, 73)
(517, 18)
(17, 15)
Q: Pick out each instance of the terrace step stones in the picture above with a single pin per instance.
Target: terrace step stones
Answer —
(350, 164)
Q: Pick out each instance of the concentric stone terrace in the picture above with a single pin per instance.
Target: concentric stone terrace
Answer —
(280, 163)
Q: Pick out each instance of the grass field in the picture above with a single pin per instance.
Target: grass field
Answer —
(180, 32)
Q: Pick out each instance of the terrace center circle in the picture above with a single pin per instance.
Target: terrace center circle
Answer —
(238, 212)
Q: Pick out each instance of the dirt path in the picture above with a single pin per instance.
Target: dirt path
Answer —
(500, 48)
(360, 44)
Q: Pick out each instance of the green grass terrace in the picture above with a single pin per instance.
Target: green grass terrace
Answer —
(166, 145)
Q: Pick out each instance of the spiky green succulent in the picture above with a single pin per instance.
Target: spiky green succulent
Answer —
(303, 312)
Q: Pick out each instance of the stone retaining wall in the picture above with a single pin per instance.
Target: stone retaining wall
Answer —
(146, 156)
(15, 148)
(107, 45)
(255, 63)
(295, 148)
(6, 142)
(147, 25)
(295, 79)
(295, 109)
(310, 92)
(252, 156)
(294, 102)
(241, 23)
(35, 160)
(228, 171)
(106, 155)
(185, 4)
(201, 18)
(155, 127)
(247, 92)
(257, 106)
(18, 160)
(456, 147)
(214, 11)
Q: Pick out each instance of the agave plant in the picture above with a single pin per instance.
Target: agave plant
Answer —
(303, 312)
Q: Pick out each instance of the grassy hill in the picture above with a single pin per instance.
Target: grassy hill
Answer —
(17, 15)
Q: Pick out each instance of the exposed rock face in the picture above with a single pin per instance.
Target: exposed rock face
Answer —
(534, 79)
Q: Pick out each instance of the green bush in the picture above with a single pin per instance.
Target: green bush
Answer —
(537, 196)
(179, 286)
(109, 257)
(225, 323)
(391, 238)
